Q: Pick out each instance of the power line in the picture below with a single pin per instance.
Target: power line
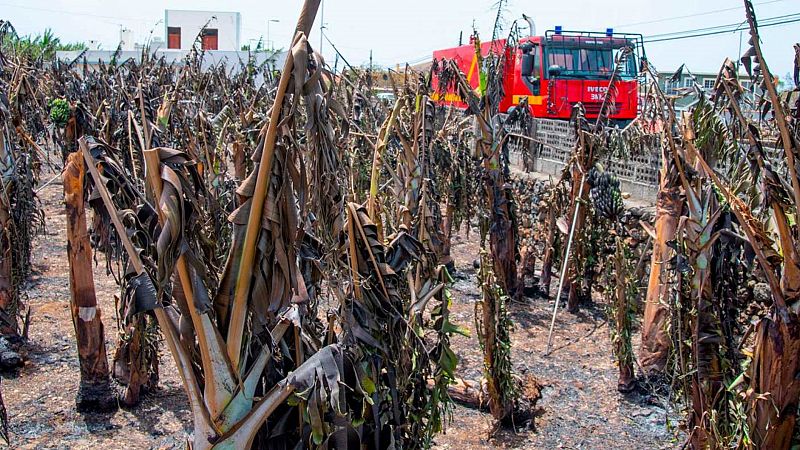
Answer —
(688, 16)
(718, 27)
(324, 35)
(712, 33)
(419, 60)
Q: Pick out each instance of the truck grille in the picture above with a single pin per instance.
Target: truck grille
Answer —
(593, 108)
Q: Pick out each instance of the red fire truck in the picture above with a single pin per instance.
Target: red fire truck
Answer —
(556, 71)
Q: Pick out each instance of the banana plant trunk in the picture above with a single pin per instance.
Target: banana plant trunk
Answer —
(447, 230)
(775, 384)
(575, 290)
(502, 238)
(547, 259)
(8, 307)
(655, 342)
(502, 232)
(494, 363)
(502, 252)
(8, 300)
(95, 393)
(622, 344)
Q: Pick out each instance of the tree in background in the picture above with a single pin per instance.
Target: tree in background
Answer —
(44, 45)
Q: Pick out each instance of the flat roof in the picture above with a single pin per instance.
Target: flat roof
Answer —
(202, 11)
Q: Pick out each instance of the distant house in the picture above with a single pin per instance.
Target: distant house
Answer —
(683, 85)
(216, 30)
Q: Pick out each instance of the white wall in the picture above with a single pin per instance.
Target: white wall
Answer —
(228, 25)
(274, 61)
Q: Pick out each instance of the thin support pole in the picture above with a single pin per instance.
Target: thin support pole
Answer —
(565, 264)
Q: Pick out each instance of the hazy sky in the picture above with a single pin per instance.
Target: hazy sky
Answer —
(402, 31)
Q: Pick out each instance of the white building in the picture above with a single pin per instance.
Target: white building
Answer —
(126, 39)
(222, 29)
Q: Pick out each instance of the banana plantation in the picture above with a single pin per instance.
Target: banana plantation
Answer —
(236, 256)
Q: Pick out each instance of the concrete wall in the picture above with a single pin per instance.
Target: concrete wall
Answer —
(555, 141)
(228, 25)
(210, 58)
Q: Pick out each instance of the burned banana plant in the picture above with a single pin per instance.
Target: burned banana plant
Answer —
(259, 366)
(135, 362)
(655, 346)
(21, 217)
(619, 286)
(498, 267)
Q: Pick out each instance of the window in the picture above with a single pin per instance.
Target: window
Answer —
(708, 83)
(581, 60)
(174, 37)
(536, 64)
(746, 85)
(671, 87)
(210, 40)
(688, 82)
(587, 62)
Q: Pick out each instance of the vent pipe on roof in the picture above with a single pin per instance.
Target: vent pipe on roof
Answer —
(531, 25)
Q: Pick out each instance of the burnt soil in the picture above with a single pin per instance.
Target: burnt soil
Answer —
(580, 407)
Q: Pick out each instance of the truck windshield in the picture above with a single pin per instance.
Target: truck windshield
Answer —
(586, 62)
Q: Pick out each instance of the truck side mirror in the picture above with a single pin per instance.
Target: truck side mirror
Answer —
(528, 60)
(554, 71)
(528, 63)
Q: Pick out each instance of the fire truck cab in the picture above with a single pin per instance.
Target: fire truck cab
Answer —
(556, 71)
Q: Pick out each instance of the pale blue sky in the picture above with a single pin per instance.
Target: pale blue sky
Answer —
(401, 31)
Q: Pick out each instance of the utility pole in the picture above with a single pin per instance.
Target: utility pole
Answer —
(370, 69)
(269, 42)
(321, 23)
(739, 54)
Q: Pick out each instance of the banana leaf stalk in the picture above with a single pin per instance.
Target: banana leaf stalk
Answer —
(236, 327)
(219, 379)
(380, 149)
(789, 144)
